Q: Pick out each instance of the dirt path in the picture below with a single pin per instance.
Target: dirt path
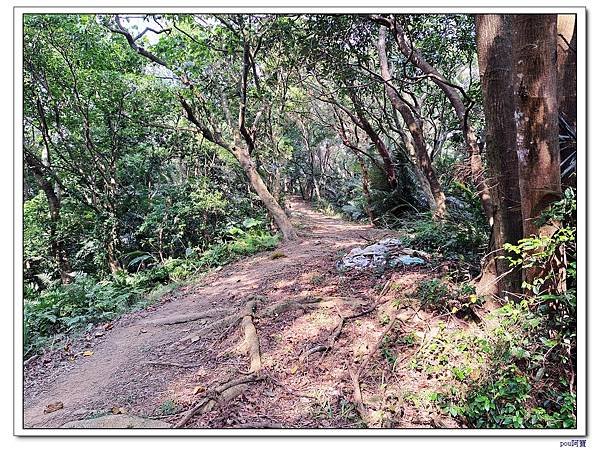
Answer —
(315, 391)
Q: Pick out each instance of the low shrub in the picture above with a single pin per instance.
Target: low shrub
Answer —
(66, 308)
(61, 309)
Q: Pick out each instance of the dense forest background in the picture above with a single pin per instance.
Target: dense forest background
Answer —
(158, 147)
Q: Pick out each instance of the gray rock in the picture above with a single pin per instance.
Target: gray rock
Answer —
(354, 252)
(359, 261)
(375, 249)
(419, 253)
(117, 421)
(391, 242)
(455, 202)
(409, 260)
(388, 252)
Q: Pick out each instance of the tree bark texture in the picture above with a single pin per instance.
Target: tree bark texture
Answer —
(567, 67)
(536, 115)
(494, 47)
(57, 248)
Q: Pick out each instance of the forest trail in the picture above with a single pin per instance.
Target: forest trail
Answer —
(151, 369)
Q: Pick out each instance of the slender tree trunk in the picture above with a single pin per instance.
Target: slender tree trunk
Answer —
(112, 243)
(276, 183)
(316, 188)
(494, 46)
(111, 254)
(258, 185)
(57, 248)
(454, 95)
(56, 243)
(422, 179)
(414, 128)
(365, 187)
(567, 67)
(362, 122)
(536, 114)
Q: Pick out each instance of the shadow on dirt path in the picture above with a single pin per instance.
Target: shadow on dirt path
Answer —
(152, 369)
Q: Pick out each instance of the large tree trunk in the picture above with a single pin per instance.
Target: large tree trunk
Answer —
(454, 95)
(414, 128)
(536, 114)
(258, 185)
(494, 46)
(567, 67)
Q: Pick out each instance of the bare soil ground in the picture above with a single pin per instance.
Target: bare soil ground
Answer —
(309, 366)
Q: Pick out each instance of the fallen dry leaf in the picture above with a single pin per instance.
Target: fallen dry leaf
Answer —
(88, 353)
(195, 339)
(107, 326)
(53, 407)
(294, 370)
(198, 389)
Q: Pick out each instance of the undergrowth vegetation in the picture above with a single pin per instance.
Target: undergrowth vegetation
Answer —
(55, 309)
(517, 369)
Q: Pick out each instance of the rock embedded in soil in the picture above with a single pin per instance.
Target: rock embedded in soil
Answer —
(388, 252)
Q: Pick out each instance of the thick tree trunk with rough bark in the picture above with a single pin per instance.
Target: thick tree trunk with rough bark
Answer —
(414, 128)
(494, 47)
(536, 106)
(536, 114)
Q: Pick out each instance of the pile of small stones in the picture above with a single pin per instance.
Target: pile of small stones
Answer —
(386, 253)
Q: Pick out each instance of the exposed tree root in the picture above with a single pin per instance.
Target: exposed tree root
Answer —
(230, 390)
(221, 394)
(330, 342)
(220, 325)
(288, 389)
(281, 307)
(343, 320)
(230, 320)
(251, 338)
(172, 364)
(31, 359)
(355, 376)
(189, 317)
